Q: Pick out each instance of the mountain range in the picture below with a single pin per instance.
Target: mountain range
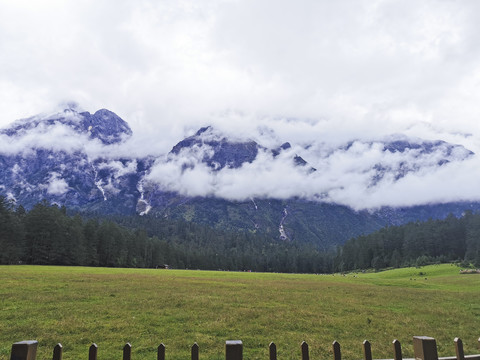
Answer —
(74, 159)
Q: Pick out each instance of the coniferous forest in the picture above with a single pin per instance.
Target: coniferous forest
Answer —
(415, 244)
(47, 234)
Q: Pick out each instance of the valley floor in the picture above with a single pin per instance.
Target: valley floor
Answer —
(78, 306)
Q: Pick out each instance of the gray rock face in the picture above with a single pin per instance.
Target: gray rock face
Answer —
(103, 125)
(224, 152)
(66, 177)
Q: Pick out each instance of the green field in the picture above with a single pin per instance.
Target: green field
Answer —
(78, 306)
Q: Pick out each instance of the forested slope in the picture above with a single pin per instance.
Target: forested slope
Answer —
(416, 243)
(47, 235)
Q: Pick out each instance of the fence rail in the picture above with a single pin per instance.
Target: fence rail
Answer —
(424, 347)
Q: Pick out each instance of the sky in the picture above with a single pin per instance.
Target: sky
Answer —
(272, 70)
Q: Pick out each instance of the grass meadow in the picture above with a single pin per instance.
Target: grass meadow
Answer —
(77, 306)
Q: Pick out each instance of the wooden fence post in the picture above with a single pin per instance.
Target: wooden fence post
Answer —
(425, 348)
(305, 355)
(24, 350)
(57, 352)
(397, 350)
(273, 351)
(367, 350)
(233, 350)
(127, 351)
(337, 355)
(161, 352)
(459, 349)
(195, 351)
(92, 352)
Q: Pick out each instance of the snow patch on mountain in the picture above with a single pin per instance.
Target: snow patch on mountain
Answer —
(281, 228)
(143, 206)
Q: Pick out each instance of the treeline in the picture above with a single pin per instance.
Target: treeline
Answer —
(47, 235)
(415, 244)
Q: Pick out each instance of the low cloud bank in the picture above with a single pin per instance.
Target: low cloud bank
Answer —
(351, 169)
(362, 175)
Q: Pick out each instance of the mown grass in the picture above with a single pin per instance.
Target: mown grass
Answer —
(78, 306)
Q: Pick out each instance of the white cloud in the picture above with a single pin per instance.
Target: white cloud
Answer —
(309, 72)
(362, 175)
(359, 173)
(57, 185)
(119, 168)
(166, 65)
(58, 137)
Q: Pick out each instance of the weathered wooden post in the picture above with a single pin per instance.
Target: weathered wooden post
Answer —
(24, 350)
(397, 350)
(367, 350)
(57, 352)
(337, 355)
(459, 349)
(233, 350)
(92, 352)
(195, 351)
(425, 348)
(127, 351)
(305, 355)
(161, 352)
(273, 351)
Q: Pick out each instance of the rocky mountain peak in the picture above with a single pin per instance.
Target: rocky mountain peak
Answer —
(223, 152)
(106, 126)
(103, 125)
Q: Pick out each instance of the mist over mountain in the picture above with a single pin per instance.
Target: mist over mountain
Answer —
(312, 192)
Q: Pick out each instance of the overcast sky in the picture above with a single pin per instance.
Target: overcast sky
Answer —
(306, 70)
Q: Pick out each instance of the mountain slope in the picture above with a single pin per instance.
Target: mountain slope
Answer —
(53, 162)
(69, 159)
(103, 125)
